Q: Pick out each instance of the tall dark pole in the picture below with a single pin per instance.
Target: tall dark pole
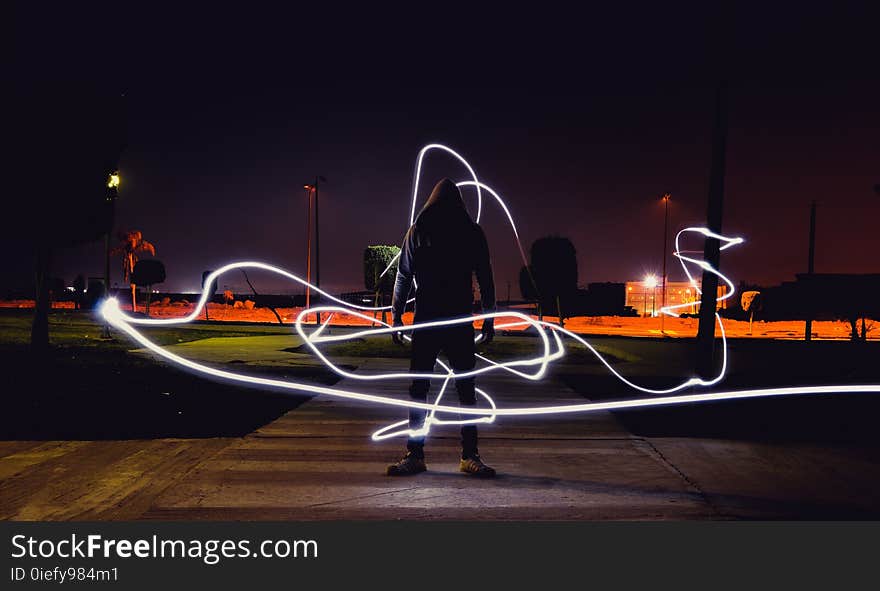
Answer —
(309, 249)
(317, 248)
(105, 332)
(112, 194)
(808, 328)
(665, 242)
(712, 249)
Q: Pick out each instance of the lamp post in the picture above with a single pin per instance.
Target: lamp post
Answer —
(665, 198)
(308, 189)
(113, 182)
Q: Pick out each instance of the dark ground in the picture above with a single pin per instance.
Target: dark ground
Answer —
(762, 364)
(87, 388)
(166, 444)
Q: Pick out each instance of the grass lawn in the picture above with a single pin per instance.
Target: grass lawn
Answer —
(504, 348)
(81, 329)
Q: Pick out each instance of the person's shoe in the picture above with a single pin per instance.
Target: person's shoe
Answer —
(475, 466)
(410, 465)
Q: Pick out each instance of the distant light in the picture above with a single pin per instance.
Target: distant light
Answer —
(113, 181)
(651, 281)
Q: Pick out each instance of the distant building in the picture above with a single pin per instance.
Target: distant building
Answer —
(827, 296)
(647, 301)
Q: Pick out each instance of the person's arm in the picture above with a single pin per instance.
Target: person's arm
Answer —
(404, 279)
(483, 270)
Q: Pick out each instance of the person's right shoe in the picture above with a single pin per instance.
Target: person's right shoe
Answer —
(474, 465)
(410, 465)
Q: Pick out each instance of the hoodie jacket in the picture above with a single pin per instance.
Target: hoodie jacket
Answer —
(441, 251)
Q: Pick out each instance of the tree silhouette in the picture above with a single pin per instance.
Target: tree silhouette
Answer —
(553, 265)
(148, 273)
(526, 287)
(130, 244)
(376, 260)
(67, 139)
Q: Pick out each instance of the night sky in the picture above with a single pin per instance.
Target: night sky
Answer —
(581, 121)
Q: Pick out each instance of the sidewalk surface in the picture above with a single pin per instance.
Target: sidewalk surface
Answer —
(318, 462)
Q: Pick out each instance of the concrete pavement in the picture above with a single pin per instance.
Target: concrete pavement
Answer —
(318, 462)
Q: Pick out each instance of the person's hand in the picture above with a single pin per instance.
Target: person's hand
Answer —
(488, 331)
(397, 336)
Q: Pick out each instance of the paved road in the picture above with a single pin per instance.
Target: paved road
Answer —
(317, 462)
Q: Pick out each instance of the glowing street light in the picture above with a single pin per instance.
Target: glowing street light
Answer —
(650, 282)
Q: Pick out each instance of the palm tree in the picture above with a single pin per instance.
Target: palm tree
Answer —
(130, 244)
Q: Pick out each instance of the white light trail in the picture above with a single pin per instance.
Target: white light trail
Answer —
(546, 354)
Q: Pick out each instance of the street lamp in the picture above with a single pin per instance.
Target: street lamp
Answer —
(308, 189)
(314, 188)
(665, 198)
(113, 182)
(650, 282)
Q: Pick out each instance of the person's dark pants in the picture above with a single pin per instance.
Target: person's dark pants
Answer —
(457, 342)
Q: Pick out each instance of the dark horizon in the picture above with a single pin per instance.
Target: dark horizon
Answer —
(581, 133)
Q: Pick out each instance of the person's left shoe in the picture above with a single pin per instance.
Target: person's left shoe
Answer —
(474, 465)
(410, 465)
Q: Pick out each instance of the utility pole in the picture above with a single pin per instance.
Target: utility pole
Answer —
(712, 249)
(808, 328)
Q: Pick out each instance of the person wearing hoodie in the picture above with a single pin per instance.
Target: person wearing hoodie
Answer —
(441, 252)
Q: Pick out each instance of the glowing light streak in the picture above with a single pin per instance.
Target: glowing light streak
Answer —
(418, 174)
(547, 353)
(111, 311)
(415, 192)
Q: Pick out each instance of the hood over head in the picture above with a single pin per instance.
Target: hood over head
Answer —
(445, 201)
